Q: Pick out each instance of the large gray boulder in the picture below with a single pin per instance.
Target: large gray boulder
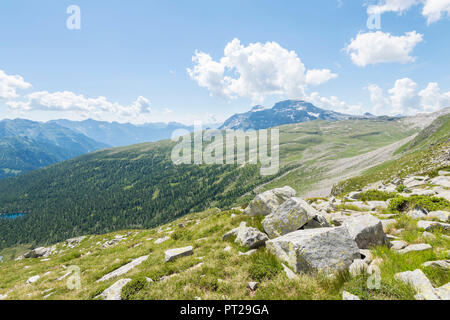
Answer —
(323, 250)
(40, 252)
(123, 269)
(247, 236)
(432, 225)
(290, 216)
(174, 254)
(419, 281)
(267, 202)
(443, 216)
(367, 231)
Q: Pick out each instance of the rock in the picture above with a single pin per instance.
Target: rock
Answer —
(443, 216)
(317, 222)
(428, 235)
(75, 241)
(248, 253)
(348, 296)
(387, 223)
(360, 205)
(123, 269)
(432, 225)
(174, 254)
(377, 205)
(289, 273)
(422, 192)
(267, 202)
(443, 264)
(324, 250)
(161, 240)
(250, 237)
(418, 280)
(253, 286)
(33, 279)
(367, 231)
(246, 236)
(40, 252)
(443, 181)
(115, 291)
(290, 216)
(443, 292)
(358, 267)
(415, 247)
(356, 195)
(417, 213)
(415, 181)
(398, 244)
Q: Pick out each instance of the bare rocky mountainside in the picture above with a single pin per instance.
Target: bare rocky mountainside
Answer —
(360, 210)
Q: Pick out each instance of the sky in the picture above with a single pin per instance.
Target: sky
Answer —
(201, 60)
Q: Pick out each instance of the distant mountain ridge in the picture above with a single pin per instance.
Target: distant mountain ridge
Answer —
(28, 145)
(284, 112)
(123, 134)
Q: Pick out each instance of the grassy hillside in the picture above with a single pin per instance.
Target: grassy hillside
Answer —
(139, 187)
(420, 156)
(211, 272)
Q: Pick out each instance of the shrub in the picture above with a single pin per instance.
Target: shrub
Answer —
(377, 195)
(401, 188)
(133, 287)
(264, 266)
(425, 202)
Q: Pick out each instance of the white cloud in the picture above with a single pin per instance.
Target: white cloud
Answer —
(69, 101)
(404, 98)
(316, 77)
(256, 72)
(380, 47)
(433, 10)
(9, 85)
(335, 104)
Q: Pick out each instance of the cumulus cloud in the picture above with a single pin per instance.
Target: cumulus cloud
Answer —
(404, 98)
(69, 101)
(255, 71)
(433, 10)
(380, 47)
(335, 104)
(10, 84)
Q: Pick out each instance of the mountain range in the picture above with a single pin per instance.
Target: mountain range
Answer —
(28, 145)
(284, 112)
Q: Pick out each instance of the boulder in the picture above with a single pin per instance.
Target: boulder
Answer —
(443, 181)
(415, 181)
(40, 252)
(398, 244)
(174, 254)
(253, 285)
(418, 280)
(123, 269)
(267, 202)
(324, 249)
(290, 216)
(71, 243)
(415, 247)
(417, 213)
(289, 273)
(443, 264)
(247, 236)
(367, 231)
(377, 205)
(115, 291)
(161, 240)
(348, 296)
(317, 222)
(355, 195)
(443, 216)
(432, 225)
(33, 279)
(443, 292)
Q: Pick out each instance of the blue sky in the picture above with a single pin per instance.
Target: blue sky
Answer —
(130, 60)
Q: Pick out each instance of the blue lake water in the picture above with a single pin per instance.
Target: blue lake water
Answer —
(11, 215)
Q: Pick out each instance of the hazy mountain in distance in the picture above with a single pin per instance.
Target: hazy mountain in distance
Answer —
(125, 134)
(28, 145)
